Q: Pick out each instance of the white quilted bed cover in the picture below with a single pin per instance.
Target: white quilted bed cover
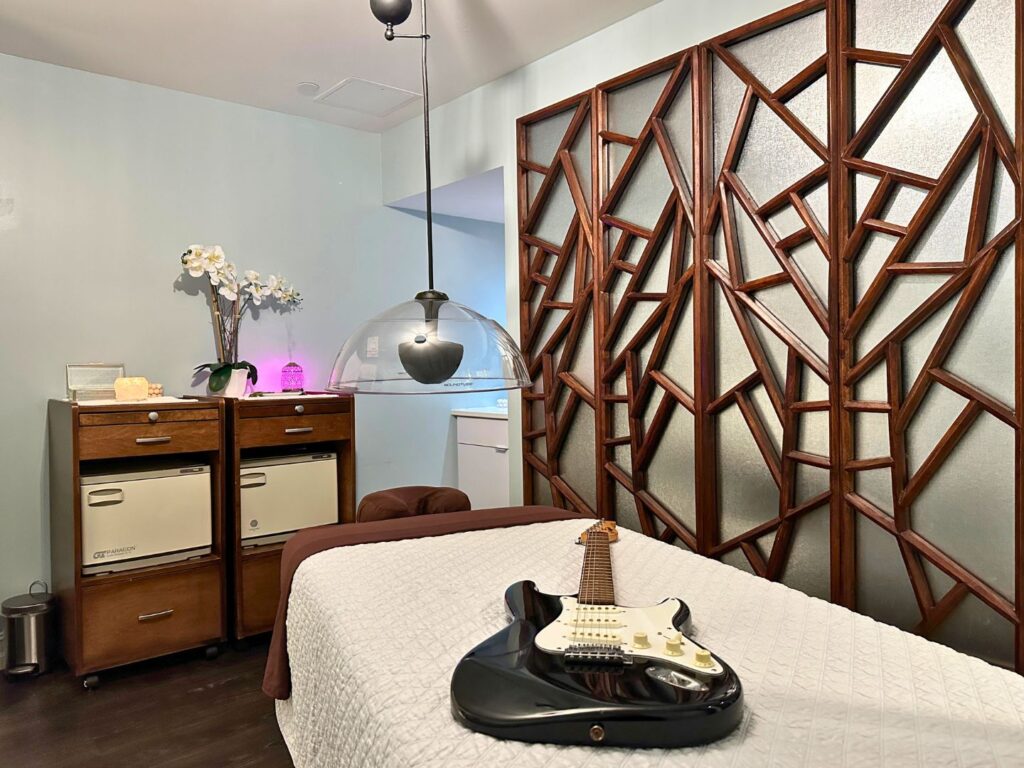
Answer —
(375, 630)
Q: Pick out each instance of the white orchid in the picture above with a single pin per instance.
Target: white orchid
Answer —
(239, 293)
(229, 290)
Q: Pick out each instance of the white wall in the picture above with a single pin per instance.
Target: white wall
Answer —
(103, 182)
(476, 132)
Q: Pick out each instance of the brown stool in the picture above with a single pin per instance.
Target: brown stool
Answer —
(409, 501)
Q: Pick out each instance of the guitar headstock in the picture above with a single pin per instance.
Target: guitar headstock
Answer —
(606, 527)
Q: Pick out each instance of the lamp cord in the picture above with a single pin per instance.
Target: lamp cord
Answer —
(426, 146)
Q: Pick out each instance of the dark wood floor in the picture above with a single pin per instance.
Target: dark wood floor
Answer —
(180, 712)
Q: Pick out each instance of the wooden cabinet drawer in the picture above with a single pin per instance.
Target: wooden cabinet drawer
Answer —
(125, 440)
(309, 408)
(287, 430)
(260, 591)
(149, 616)
(146, 417)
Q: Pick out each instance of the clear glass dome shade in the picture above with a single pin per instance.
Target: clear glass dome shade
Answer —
(429, 345)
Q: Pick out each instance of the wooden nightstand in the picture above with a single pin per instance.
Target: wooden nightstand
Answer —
(114, 618)
(275, 426)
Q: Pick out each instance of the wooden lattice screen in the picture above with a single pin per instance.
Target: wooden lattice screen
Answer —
(772, 302)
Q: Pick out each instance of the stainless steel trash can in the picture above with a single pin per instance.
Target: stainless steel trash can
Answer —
(30, 630)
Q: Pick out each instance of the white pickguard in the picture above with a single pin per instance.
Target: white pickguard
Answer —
(617, 626)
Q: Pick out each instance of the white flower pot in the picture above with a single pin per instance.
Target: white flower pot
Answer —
(236, 385)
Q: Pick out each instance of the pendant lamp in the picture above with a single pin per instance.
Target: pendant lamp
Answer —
(430, 344)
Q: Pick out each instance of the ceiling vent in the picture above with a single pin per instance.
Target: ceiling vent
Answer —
(367, 97)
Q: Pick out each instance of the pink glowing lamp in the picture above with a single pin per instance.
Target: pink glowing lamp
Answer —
(292, 378)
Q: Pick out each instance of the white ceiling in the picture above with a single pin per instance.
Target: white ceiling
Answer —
(257, 51)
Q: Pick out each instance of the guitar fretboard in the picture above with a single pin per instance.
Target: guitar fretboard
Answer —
(596, 586)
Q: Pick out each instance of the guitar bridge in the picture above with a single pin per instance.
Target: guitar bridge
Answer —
(595, 656)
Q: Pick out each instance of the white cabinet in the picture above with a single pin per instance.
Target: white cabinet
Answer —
(483, 456)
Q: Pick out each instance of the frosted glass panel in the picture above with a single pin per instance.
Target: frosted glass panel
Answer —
(1001, 207)
(766, 414)
(583, 362)
(883, 586)
(946, 235)
(776, 56)
(580, 151)
(774, 347)
(818, 203)
(732, 361)
(814, 267)
(670, 474)
(893, 25)
(902, 297)
(939, 409)
(903, 204)
(928, 124)
(755, 256)
(630, 106)
(556, 214)
(875, 485)
(773, 157)
(544, 137)
(967, 508)
(871, 435)
(869, 83)
(785, 303)
(984, 353)
(576, 461)
(870, 261)
(679, 126)
(814, 431)
(727, 94)
(647, 191)
(976, 629)
(747, 493)
(807, 567)
(919, 345)
(541, 489)
(786, 222)
(678, 361)
(987, 33)
(811, 108)
(625, 509)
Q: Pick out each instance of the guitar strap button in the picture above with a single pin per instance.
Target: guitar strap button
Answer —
(597, 733)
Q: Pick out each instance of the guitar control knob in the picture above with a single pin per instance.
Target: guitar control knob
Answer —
(703, 658)
(674, 644)
(640, 640)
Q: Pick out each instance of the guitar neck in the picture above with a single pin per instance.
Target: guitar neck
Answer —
(596, 585)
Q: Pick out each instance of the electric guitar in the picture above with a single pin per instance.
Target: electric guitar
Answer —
(582, 669)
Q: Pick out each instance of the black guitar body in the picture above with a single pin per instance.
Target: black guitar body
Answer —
(508, 688)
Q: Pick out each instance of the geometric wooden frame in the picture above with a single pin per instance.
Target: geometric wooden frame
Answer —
(556, 292)
(633, 395)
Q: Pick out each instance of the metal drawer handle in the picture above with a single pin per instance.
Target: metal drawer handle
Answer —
(144, 617)
(257, 479)
(300, 408)
(153, 416)
(104, 497)
(298, 430)
(152, 440)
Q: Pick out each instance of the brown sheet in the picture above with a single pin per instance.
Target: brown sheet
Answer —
(277, 678)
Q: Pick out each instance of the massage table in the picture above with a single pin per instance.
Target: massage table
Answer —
(368, 635)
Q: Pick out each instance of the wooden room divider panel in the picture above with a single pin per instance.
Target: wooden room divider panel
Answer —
(645, 297)
(792, 253)
(929, 188)
(556, 257)
(768, 272)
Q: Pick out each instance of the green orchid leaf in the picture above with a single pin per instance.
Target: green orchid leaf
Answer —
(219, 377)
(253, 375)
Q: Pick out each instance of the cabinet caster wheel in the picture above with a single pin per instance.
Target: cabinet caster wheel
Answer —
(212, 651)
(91, 682)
